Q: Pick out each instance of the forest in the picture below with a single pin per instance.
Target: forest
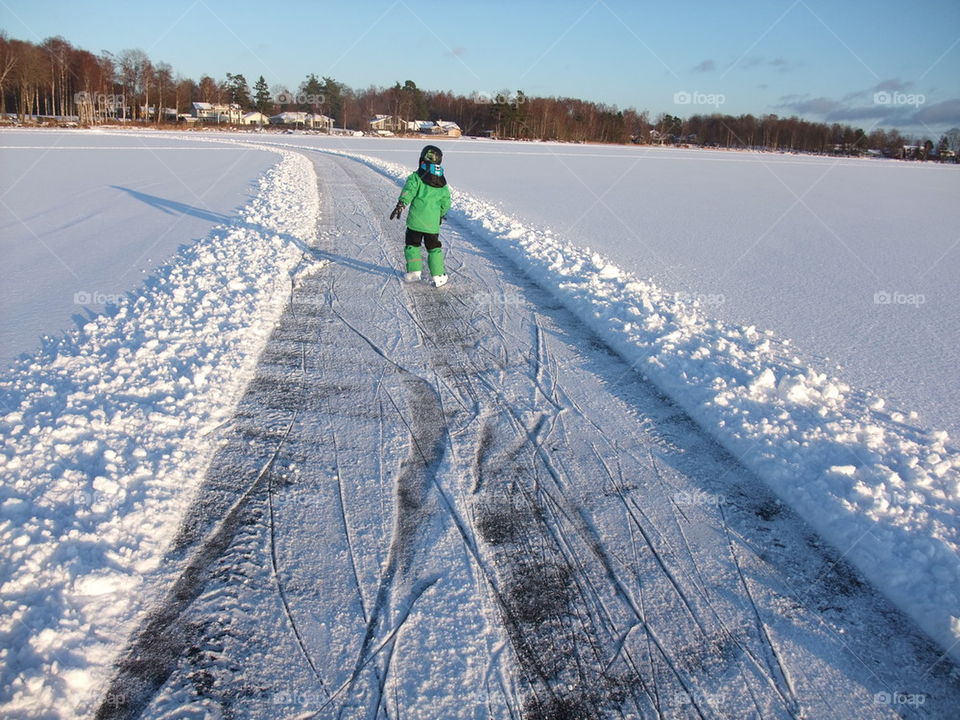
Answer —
(56, 82)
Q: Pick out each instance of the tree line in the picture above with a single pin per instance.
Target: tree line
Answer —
(57, 80)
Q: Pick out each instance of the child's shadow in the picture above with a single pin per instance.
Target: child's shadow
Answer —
(172, 207)
(350, 262)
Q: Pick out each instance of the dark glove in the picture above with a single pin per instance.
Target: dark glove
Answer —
(397, 211)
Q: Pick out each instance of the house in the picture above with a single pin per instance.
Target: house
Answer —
(387, 124)
(297, 119)
(429, 127)
(421, 126)
(217, 112)
(319, 122)
(450, 129)
(168, 114)
(254, 118)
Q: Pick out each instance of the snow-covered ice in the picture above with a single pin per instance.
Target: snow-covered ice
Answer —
(84, 217)
(855, 260)
(108, 430)
(883, 490)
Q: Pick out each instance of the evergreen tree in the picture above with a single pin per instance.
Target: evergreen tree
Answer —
(311, 93)
(238, 90)
(333, 97)
(261, 96)
(411, 104)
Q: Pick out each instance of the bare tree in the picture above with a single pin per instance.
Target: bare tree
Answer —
(8, 61)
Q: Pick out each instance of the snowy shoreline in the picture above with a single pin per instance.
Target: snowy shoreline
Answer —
(107, 432)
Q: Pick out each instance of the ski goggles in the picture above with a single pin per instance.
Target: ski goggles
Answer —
(431, 154)
(432, 168)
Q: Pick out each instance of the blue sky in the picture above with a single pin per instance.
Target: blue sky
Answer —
(867, 63)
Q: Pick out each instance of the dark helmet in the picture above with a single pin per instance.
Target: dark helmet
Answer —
(431, 154)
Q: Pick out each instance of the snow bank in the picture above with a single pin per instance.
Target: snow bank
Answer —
(885, 493)
(106, 434)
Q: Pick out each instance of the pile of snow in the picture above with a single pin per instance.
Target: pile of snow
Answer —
(885, 493)
(106, 435)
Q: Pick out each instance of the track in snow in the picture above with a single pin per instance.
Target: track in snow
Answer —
(459, 503)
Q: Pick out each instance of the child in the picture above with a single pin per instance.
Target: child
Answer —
(428, 196)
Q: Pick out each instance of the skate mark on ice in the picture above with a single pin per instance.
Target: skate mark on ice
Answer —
(164, 635)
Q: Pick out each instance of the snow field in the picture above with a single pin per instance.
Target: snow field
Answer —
(106, 433)
(86, 217)
(886, 494)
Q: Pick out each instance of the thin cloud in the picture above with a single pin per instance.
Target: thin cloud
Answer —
(946, 112)
(882, 114)
(812, 106)
(890, 85)
(780, 64)
(862, 107)
(705, 66)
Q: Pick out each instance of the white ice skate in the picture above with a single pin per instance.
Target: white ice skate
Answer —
(412, 276)
(439, 280)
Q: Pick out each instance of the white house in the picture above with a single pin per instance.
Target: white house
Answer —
(168, 114)
(299, 119)
(217, 112)
(319, 122)
(450, 129)
(254, 118)
(429, 127)
(387, 124)
(421, 126)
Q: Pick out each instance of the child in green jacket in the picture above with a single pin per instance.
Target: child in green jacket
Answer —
(428, 196)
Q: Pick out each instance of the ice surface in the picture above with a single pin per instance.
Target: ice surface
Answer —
(85, 216)
(791, 423)
(855, 260)
(105, 428)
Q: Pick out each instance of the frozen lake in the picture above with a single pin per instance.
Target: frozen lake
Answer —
(84, 215)
(856, 261)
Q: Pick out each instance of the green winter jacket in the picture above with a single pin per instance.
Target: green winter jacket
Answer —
(427, 204)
